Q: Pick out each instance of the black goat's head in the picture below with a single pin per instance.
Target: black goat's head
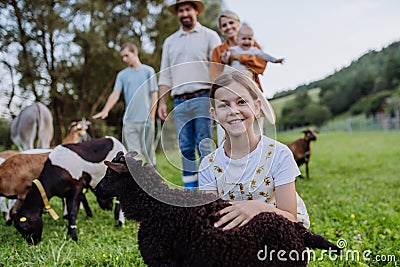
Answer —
(119, 158)
(310, 134)
(113, 183)
(30, 227)
(105, 203)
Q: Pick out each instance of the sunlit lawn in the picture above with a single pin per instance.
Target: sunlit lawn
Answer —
(353, 194)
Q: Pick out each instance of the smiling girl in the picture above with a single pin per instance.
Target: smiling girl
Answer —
(253, 171)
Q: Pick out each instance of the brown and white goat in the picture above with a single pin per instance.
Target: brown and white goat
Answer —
(17, 174)
(68, 169)
(301, 148)
(76, 132)
(8, 153)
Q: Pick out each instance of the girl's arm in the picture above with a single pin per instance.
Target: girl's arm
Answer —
(286, 201)
(242, 212)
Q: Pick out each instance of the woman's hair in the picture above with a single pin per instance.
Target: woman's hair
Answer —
(228, 14)
(132, 48)
(229, 77)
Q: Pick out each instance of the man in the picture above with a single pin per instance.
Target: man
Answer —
(185, 71)
(139, 86)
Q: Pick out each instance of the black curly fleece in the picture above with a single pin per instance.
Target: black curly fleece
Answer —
(185, 236)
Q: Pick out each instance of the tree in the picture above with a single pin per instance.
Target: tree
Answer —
(66, 52)
(303, 111)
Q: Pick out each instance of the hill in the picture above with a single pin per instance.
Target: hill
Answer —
(366, 86)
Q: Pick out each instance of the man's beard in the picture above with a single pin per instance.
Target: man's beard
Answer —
(187, 23)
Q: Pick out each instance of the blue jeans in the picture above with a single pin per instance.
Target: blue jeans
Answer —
(193, 125)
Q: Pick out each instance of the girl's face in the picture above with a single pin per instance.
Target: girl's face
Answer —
(235, 109)
(229, 27)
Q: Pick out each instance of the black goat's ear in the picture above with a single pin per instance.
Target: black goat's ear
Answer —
(119, 157)
(117, 167)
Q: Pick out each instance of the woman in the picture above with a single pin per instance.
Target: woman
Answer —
(229, 24)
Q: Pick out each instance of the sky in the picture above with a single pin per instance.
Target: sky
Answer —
(316, 37)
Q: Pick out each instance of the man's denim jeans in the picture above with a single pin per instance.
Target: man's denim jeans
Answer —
(193, 125)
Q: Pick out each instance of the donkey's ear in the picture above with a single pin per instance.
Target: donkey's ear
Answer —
(117, 167)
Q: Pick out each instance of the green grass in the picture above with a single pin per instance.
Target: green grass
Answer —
(353, 194)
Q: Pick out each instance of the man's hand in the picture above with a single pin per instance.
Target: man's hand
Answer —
(162, 101)
(162, 111)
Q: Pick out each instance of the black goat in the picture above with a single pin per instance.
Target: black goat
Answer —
(171, 235)
(301, 148)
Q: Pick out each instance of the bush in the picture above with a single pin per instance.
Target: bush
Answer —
(370, 104)
(5, 141)
(303, 111)
(316, 115)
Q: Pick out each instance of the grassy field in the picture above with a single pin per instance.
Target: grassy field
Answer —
(352, 196)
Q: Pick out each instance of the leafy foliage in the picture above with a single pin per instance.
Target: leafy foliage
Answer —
(370, 104)
(5, 134)
(372, 73)
(303, 111)
(66, 52)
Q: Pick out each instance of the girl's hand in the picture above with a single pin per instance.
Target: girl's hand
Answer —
(241, 213)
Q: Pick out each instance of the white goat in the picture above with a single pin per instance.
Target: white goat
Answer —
(33, 120)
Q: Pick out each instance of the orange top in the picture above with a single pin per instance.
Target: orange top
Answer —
(255, 64)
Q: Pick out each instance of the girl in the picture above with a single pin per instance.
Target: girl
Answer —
(248, 166)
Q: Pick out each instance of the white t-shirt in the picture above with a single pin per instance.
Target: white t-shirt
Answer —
(283, 169)
(253, 177)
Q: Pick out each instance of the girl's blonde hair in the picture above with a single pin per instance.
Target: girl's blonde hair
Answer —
(227, 78)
